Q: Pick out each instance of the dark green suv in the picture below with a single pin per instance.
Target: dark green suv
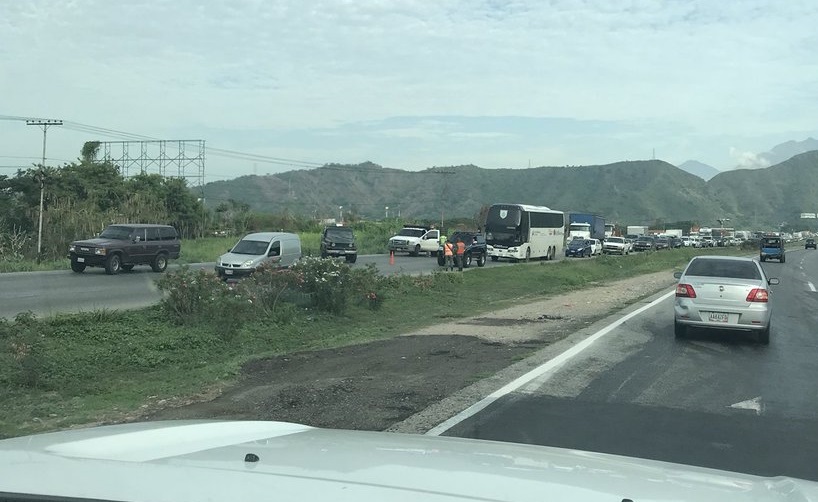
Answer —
(476, 249)
(339, 242)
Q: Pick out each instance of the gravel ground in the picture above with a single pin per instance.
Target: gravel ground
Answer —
(413, 382)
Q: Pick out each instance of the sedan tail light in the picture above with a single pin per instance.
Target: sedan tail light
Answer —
(758, 295)
(685, 290)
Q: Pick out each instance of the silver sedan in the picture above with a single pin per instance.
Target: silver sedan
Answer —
(722, 292)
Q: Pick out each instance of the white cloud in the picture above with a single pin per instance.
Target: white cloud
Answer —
(734, 69)
(748, 160)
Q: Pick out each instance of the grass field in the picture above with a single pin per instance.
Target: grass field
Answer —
(102, 366)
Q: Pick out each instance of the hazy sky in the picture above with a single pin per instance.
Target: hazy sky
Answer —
(412, 84)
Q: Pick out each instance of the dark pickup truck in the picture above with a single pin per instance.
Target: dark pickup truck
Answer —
(476, 249)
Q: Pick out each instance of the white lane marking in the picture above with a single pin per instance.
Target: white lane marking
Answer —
(550, 366)
(811, 287)
(751, 404)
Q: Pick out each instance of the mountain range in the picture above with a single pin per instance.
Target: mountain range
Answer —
(750, 160)
(651, 192)
(699, 169)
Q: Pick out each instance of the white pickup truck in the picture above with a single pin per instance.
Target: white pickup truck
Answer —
(415, 240)
(616, 245)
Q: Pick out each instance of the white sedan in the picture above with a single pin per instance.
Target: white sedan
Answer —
(596, 246)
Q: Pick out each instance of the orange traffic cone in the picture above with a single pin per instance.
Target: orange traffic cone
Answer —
(391, 257)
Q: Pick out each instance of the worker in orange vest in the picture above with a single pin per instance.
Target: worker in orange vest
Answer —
(461, 252)
(448, 252)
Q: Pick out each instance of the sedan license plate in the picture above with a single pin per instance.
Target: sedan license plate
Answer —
(719, 317)
(228, 272)
(80, 260)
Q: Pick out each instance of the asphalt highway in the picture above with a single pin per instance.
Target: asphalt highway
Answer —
(715, 399)
(61, 291)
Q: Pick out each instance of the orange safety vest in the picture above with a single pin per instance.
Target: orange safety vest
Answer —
(447, 249)
(461, 248)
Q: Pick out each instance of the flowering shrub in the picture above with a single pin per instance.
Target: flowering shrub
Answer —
(189, 292)
(327, 282)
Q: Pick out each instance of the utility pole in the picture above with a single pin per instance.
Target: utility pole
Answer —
(443, 193)
(44, 123)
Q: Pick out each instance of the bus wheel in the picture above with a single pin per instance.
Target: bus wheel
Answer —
(527, 254)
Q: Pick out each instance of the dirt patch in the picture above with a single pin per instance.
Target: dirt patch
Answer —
(375, 385)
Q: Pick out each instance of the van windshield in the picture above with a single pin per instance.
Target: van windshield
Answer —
(250, 247)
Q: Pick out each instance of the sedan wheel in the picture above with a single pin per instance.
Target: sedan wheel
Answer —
(764, 336)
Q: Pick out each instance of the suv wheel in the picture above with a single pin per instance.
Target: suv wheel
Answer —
(160, 262)
(467, 261)
(481, 260)
(351, 258)
(127, 268)
(113, 264)
(77, 267)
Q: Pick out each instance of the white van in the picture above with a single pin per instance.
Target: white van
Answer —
(279, 248)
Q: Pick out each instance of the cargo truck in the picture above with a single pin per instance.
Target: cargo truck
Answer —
(586, 226)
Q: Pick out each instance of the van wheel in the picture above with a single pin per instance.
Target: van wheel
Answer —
(679, 330)
(160, 262)
(113, 264)
(77, 267)
(351, 258)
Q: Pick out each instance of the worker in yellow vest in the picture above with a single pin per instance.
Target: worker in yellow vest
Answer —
(448, 253)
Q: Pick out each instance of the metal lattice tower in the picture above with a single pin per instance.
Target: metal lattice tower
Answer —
(183, 158)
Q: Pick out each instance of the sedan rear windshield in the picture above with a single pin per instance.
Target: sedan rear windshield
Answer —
(732, 269)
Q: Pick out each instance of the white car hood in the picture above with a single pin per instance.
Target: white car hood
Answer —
(238, 258)
(197, 461)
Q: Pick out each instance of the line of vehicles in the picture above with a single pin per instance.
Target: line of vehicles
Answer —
(522, 232)
(515, 232)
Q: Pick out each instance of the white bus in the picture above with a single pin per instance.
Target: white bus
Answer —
(521, 232)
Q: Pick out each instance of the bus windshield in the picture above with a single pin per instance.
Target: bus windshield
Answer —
(503, 217)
